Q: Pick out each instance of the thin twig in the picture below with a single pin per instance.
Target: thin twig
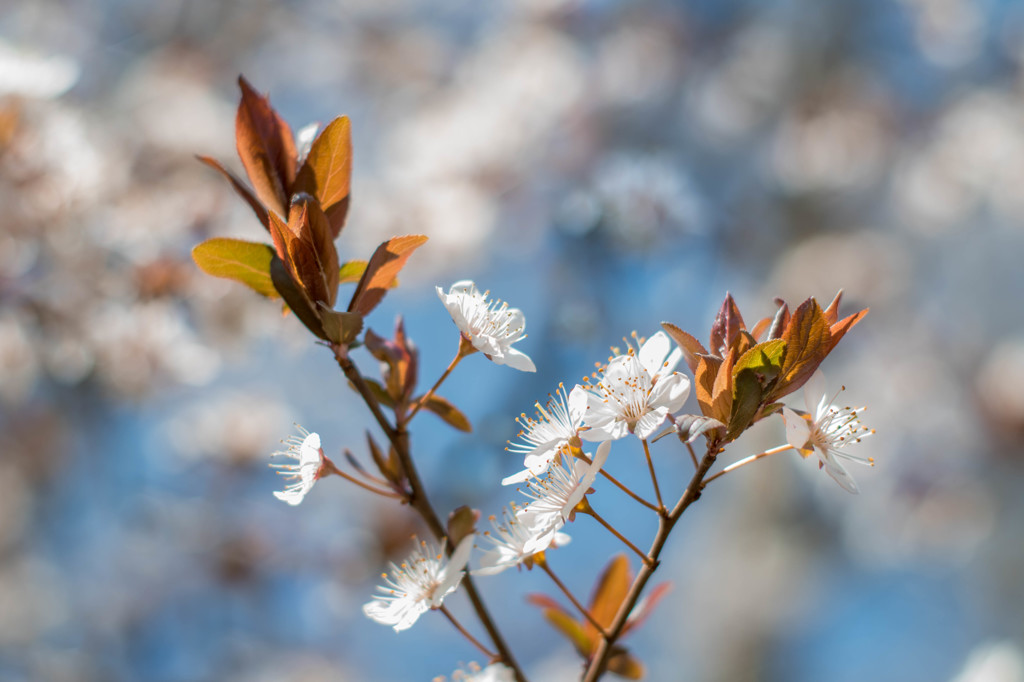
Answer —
(620, 536)
(747, 460)
(332, 468)
(565, 590)
(437, 384)
(654, 478)
(622, 486)
(465, 633)
(693, 455)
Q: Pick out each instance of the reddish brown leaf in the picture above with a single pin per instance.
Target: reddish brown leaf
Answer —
(780, 322)
(385, 264)
(241, 188)
(646, 607)
(573, 631)
(295, 297)
(839, 329)
(726, 327)
(308, 222)
(831, 313)
(266, 148)
(327, 171)
(760, 328)
(300, 255)
(690, 346)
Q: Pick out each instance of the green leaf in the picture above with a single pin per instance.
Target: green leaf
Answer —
(341, 327)
(448, 412)
(753, 376)
(351, 271)
(242, 261)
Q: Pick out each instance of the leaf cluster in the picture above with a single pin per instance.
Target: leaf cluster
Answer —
(302, 201)
(742, 374)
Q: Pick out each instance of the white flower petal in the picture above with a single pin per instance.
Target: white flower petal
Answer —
(798, 433)
(517, 360)
(652, 353)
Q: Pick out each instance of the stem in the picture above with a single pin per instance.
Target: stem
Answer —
(748, 460)
(622, 486)
(654, 478)
(565, 590)
(461, 353)
(693, 455)
(399, 439)
(465, 633)
(332, 468)
(578, 453)
(590, 510)
(597, 664)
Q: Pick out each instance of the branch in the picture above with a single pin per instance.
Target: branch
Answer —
(418, 500)
(597, 664)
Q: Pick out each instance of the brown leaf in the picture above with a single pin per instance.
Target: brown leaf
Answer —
(808, 341)
(448, 412)
(721, 393)
(583, 642)
(690, 346)
(609, 593)
(831, 313)
(385, 264)
(327, 171)
(241, 188)
(623, 664)
(307, 220)
(704, 382)
(295, 297)
(839, 329)
(266, 148)
(461, 523)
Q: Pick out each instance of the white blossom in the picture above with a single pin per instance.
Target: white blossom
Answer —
(516, 539)
(418, 584)
(556, 495)
(492, 327)
(636, 392)
(495, 672)
(305, 471)
(543, 437)
(828, 432)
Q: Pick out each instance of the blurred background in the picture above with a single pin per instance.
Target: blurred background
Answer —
(603, 165)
